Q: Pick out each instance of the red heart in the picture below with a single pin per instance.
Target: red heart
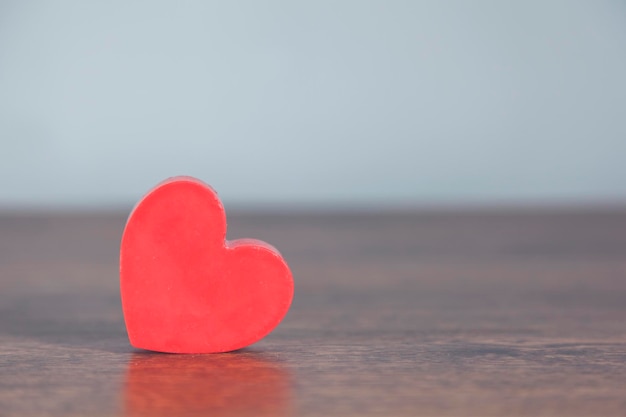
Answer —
(185, 289)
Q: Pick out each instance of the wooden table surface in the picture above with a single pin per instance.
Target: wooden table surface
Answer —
(484, 313)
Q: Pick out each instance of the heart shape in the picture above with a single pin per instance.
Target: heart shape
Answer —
(184, 287)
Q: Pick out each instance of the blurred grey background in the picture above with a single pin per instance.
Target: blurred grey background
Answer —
(316, 103)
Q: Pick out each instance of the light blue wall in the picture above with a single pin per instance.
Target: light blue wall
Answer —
(320, 101)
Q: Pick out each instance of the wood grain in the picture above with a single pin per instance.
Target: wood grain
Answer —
(484, 313)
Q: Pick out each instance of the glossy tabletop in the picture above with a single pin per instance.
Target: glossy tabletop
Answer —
(457, 313)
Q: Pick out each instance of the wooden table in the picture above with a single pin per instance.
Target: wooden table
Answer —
(484, 313)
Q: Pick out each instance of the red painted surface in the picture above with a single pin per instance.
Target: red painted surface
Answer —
(185, 289)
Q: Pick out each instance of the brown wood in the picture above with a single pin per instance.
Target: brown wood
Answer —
(438, 314)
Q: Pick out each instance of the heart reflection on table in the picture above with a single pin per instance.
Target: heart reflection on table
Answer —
(240, 383)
